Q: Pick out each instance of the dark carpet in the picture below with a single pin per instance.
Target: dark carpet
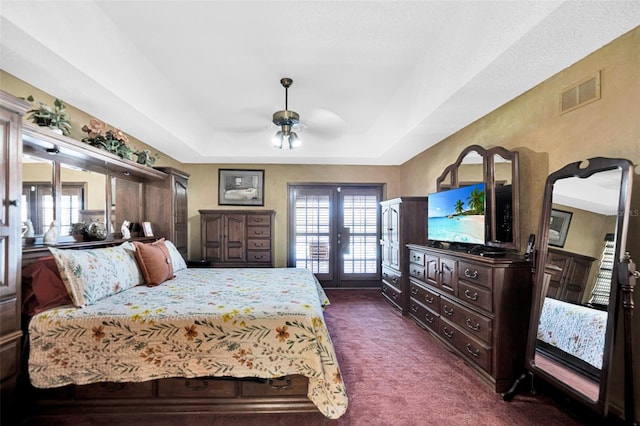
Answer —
(395, 374)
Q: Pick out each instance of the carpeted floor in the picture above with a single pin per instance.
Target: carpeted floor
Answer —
(396, 374)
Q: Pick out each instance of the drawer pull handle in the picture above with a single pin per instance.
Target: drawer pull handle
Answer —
(473, 327)
(414, 291)
(394, 295)
(468, 274)
(428, 319)
(394, 280)
(472, 352)
(414, 308)
(384, 288)
(196, 385)
(428, 299)
(447, 311)
(448, 334)
(285, 385)
(469, 296)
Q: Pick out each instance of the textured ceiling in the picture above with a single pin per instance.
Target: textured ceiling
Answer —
(375, 82)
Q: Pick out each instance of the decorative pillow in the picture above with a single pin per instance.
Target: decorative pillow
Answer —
(155, 262)
(176, 258)
(42, 287)
(93, 274)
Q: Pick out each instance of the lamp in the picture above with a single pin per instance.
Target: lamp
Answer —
(285, 138)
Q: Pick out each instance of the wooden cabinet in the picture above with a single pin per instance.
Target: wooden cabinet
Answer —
(237, 238)
(568, 279)
(404, 221)
(166, 207)
(11, 110)
(478, 306)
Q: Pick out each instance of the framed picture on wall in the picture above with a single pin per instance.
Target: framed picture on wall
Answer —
(240, 187)
(559, 227)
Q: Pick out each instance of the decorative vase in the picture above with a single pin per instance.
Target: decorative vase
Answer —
(96, 231)
(77, 231)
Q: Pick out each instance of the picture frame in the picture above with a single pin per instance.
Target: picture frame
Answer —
(559, 227)
(240, 187)
(146, 229)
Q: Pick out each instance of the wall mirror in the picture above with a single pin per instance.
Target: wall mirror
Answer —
(574, 307)
(76, 182)
(498, 169)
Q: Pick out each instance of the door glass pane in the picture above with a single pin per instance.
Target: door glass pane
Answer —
(360, 224)
(312, 226)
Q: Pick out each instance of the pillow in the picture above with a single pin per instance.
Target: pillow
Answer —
(93, 274)
(42, 287)
(155, 262)
(176, 258)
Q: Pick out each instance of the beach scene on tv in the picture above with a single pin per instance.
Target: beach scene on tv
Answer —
(457, 215)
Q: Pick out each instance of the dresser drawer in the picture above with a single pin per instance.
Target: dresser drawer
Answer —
(258, 232)
(259, 219)
(289, 385)
(258, 244)
(477, 296)
(416, 257)
(391, 277)
(196, 387)
(473, 323)
(392, 293)
(427, 297)
(471, 348)
(425, 317)
(476, 274)
(417, 271)
(259, 256)
(109, 390)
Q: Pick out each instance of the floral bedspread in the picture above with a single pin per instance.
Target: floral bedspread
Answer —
(205, 322)
(578, 330)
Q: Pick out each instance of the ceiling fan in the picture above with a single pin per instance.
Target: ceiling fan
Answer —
(286, 137)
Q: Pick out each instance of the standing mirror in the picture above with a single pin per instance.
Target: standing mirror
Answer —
(582, 240)
(497, 168)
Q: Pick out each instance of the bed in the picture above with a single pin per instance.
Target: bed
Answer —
(237, 328)
(573, 334)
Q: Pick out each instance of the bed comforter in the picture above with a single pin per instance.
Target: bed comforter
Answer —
(577, 330)
(205, 322)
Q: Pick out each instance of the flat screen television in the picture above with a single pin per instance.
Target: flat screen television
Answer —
(457, 215)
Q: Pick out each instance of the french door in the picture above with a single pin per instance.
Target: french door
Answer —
(334, 231)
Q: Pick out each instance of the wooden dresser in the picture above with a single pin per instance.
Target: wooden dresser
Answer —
(237, 238)
(478, 306)
(404, 221)
(569, 280)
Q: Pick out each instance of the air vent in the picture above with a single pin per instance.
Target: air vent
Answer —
(580, 94)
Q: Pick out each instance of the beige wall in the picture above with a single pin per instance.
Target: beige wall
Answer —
(203, 192)
(530, 124)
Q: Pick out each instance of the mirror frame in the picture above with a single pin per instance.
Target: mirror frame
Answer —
(451, 173)
(577, 169)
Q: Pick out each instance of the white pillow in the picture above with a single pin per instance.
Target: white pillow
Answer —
(93, 274)
(176, 257)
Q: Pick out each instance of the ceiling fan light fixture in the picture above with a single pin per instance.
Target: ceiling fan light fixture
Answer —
(286, 119)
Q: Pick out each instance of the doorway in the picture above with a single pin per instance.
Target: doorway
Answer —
(334, 231)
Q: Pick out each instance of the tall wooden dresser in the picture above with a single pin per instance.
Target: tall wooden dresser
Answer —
(11, 110)
(478, 306)
(167, 209)
(404, 221)
(237, 238)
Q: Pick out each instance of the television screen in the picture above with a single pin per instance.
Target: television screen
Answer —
(457, 215)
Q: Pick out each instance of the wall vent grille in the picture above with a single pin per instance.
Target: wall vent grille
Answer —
(580, 94)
